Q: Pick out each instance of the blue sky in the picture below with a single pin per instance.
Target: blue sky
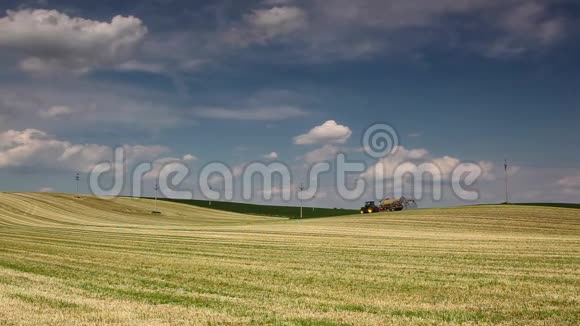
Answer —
(230, 81)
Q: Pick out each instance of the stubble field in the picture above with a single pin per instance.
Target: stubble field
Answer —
(67, 260)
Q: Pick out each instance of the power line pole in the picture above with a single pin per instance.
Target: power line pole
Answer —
(313, 197)
(156, 192)
(77, 179)
(300, 198)
(506, 181)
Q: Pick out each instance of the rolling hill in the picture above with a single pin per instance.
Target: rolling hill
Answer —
(93, 261)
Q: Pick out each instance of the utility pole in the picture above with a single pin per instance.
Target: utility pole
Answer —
(77, 179)
(506, 181)
(209, 201)
(313, 197)
(156, 192)
(300, 198)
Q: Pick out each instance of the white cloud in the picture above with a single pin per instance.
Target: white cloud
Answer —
(513, 170)
(570, 181)
(271, 156)
(158, 165)
(346, 29)
(55, 111)
(277, 21)
(444, 165)
(189, 158)
(326, 152)
(328, 132)
(534, 184)
(264, 25)
(253, 114)
(50, 42)
(528, 25)
(91, 105)
(135, 65)
(46, 189)
(322, 31)
(31, 148)
(238, 169)
(531, 21)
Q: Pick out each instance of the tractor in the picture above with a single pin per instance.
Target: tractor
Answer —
(388, 205)
(370, 208)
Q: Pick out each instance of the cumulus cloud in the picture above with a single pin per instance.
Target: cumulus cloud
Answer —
(31, 148)
(533, 184)
(238, 169)
(570, 181)
(277, 21)
(528, 25)
(252, 114)
(439, 167)
(189, 158)
(346, 30)
(328, 132)
(50, 42)
(533, 21)
(271, 156)
(157, 165)
(326, 152)
(263, 25)
(321, 31)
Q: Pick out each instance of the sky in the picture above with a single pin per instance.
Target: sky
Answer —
(295, 82)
